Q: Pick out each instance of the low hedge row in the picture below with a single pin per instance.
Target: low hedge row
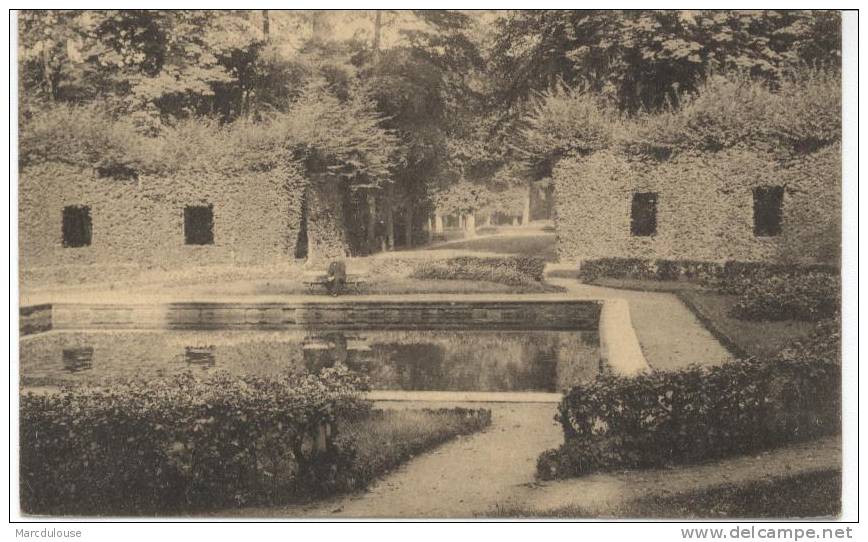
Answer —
(732, 277)
(511, 270)
(648, 269)
(812, 297)
(184, 443)
(696, 414)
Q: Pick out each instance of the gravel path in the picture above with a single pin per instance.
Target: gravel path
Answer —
(459, 479)
(670, 335)
(477, 475)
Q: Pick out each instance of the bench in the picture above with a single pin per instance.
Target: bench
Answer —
(321, 279)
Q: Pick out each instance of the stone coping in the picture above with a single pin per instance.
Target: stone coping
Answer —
(464, 396)
(407, 314)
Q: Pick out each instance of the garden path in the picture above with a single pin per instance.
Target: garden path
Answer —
(478, 475)
(462, 477)
(670, 335)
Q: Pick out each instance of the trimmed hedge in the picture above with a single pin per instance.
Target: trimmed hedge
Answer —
(811, 297)
(513, 271)
(648, 269)
(739, 276)
(696, 414)
(731, 277)
(184, 443)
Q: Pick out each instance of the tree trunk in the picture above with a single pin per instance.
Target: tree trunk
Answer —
(438, 223)
(390, 217)
(470, 225)
(265, 24)
(378, 26)
(46, 71)
(372, 222)
(409, 226)
(488, 219)
(515, 221)
(525, 214)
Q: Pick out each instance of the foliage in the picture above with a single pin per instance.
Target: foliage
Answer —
(811, 296)
(183, 443)
(737, 277)
(648, 59)
(823, 344)
(515, 270)
(801, 114)
(730, 277)
(565, 122)
(641, 268)
(151, 64)
(342, 138)
(697, 414)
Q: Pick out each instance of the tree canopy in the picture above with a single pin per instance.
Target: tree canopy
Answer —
(442, 105)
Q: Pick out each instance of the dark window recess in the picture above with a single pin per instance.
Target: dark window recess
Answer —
(768, 203)
(643, 214)
(199, 225)
(77, 227)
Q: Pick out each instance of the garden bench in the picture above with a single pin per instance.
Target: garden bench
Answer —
(318, 278)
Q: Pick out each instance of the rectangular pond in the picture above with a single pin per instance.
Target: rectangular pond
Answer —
(487, 360)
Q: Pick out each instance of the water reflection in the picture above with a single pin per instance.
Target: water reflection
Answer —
(444, 360)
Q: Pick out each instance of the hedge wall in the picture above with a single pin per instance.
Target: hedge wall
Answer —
(697, 414)
(705, 205)
(256, 216)
(183, 443)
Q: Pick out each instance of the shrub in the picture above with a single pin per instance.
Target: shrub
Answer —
(812, 297)
(799, 116)
(184, 443)
(696, 414)
(737, 277)
(824, 344)
(731, 277)
(514, 271)
(647, 269)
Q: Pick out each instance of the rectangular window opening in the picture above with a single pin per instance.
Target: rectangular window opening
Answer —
(643, 214)
(199, 225)
(77, 226)
(768, 203)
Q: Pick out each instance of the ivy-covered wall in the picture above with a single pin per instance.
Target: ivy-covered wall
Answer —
(704, 205)
(256, 216)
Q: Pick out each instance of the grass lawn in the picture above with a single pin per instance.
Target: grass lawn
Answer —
(379, 286)
(743, 337)
(542, 245)
(814, 494)
(389, 437)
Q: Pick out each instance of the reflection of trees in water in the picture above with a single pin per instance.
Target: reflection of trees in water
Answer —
(578, 358)
(147, 354)
(422, 360)
(473, 360)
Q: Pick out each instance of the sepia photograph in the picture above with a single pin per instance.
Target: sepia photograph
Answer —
(426, 264)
